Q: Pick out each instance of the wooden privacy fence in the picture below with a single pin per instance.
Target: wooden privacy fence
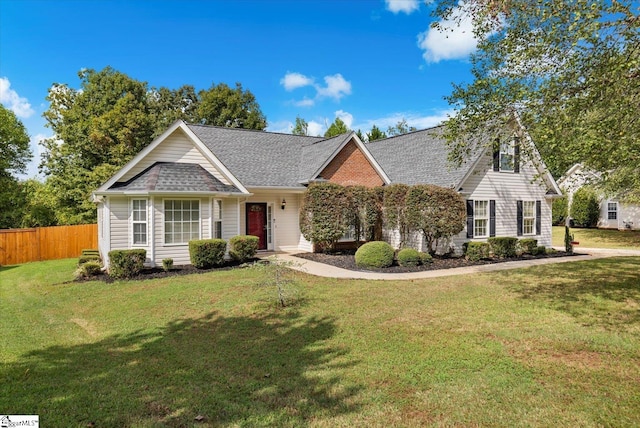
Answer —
(46, 243)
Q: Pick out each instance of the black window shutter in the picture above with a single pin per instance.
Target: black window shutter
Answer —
(519, 217)
(492, 218)
(516, 155)
(469, 218)
(538, 217)
(496, 156)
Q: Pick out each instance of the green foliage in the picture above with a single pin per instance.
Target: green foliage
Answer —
(39, 206)
(376, 134)
(301, 127)
(88, 258)
(375, 254)
(126, 263)
(475, 251)
(207, 253)
(559, 210)
(585, 208)
(438, 212)
(569, 67)
(528, 245)
(425, 258)
(88, 269)
(539, 250)
(324, 217)
(402, 127)
(278, 274)
(337, 127)
(503, 246)
(408, 257)
(243, 247)
(221, 105)
(394, 210)
(167, 264)
(363, 211)
(568, 240)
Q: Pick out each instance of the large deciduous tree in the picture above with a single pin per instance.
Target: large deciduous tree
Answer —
(571, 69)
(221, 105)
(14, 156)
(301, 127)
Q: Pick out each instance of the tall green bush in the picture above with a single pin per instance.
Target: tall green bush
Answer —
(585, 208)
(503, 246)
(207, 253)
(394, 210)
(324, 217)
(560, 210)
(438, 212)
(363, 211)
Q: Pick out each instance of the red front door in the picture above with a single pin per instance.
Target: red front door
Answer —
(257, 223)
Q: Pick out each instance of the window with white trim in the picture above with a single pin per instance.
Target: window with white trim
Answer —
(480, 219)
(217, 219)
(139, 221)
(507, 156)
(181, 221)
(612, 210)
(528, 217)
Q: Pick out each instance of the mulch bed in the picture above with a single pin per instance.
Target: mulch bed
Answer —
(346, 260)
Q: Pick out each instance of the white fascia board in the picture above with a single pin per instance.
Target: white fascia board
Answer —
(277, 189)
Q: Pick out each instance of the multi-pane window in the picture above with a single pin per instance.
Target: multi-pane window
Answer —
(480, 218)
(139, 221)
(217, 219)
(181, 221)
(507, 156)
(529, 217)
(612, 210)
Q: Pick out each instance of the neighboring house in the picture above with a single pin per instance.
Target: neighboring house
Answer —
(613, 213)
(198, 182)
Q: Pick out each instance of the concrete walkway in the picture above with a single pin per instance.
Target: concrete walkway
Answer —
(321, 269)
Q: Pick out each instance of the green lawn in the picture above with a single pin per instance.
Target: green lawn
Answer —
(553, 345)
(599, 238)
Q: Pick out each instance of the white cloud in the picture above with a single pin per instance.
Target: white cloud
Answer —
(10, 98)
(346, 117)
(292, 81)
(336, 88)
(405, 6)
(283, 127)
(315, 129)
(454, 39)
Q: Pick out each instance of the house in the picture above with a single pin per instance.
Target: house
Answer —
(198, 182)
(614, 214)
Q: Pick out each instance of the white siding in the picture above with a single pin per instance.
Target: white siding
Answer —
(175, 148)
(119, 219)
(629, 215)
(506, 188)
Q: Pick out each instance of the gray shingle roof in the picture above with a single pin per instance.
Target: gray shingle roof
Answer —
(257, 158)
(418, 158)
(314, 155)
(175, 177)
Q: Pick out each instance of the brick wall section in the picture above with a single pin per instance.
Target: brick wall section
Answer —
(351, 167)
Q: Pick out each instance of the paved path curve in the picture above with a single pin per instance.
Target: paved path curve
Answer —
(321, 269)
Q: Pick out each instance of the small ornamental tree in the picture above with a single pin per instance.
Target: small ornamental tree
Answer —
(323, 215)
(559, 210)
(585, 209)
(394, 210)
(363, 211)
(436, 211)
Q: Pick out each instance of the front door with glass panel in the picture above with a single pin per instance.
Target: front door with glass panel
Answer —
(257, 223)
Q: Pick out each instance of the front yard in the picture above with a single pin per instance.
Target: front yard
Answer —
(599, 238)
(554, 345)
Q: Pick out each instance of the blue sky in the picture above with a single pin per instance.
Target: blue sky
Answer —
(368, 62)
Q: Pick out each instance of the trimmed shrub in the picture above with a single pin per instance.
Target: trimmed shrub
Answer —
(243, 247)
(475, 251)
(503, 246)
(90, 252)
(207, 253)
(550, 250)
(375, 254)
(528, 245)
(167, 264)
(84, 259)
(126, 263)
(408, 257)
(585, 208)
(426, 258)
(539, 250)
(88, 269)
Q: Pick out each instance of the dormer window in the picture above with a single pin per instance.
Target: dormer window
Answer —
(506, 156)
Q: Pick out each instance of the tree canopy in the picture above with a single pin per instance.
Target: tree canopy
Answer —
(375, 134)
(102, 125)
(402, 127)
(337, 127)
(571, 70)
(301, 127)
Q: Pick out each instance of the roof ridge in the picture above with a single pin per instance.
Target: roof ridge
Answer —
(431, 128)
(226, 128)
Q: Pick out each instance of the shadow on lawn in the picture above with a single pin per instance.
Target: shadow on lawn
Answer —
(603, 292)
(254, 371)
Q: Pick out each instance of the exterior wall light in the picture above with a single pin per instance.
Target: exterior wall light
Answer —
(284, 203)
